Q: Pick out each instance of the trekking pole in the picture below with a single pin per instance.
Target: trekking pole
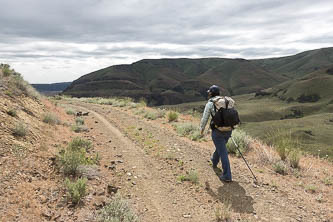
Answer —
(244, 159)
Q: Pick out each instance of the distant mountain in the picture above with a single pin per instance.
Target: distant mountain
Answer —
(174, 81)
(51, 88)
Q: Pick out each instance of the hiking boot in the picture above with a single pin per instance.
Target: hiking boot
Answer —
(222, 178)
(214, 165)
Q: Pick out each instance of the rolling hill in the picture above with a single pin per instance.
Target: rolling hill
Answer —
(175, 81)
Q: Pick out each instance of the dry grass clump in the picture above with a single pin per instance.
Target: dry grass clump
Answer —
(70, 111)
(280, 167)
(20, 130)
(154, 114)
(294, 158)
(117, 210)
(223, 214)
(264, 154)
(51, 119)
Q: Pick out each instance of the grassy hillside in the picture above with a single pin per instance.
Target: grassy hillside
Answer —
(300, 108)
(300, 64)
(175, 81)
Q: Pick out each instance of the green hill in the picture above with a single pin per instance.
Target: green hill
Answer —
(175, 81)
(300, 64)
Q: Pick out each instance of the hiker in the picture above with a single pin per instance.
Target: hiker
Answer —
(220, 135)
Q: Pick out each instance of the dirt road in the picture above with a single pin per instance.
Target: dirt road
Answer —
(145, 159)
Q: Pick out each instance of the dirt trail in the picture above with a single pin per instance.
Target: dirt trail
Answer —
(155, 194)
(154, 156)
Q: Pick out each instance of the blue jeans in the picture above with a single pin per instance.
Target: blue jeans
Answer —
(220, 140)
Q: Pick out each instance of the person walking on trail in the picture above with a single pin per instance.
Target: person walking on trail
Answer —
(220, 135)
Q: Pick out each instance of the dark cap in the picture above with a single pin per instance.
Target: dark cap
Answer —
(214, 90)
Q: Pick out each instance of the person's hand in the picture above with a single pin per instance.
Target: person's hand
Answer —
(202, 132)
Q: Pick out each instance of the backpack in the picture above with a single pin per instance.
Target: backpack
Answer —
(226, 116)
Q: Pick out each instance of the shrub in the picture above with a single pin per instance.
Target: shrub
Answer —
(69, 160)
(20, 130)
(70, 111)
(192, 176)
(117, 210)
(79, 121)
(51, 119)
(172, 116)
(79, 129)
(150, 115)
(185, 129)
(74, 155)
(328, 181)
(294, 158)
(143, 102)
(189, 130)
(241, 139)
(77, 143)
(76, 190)
(280, 167)
(12, 112)
(311, 188)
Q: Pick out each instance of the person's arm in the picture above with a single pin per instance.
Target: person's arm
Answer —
(205, 117)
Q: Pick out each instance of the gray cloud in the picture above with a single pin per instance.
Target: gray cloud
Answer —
(124, 31)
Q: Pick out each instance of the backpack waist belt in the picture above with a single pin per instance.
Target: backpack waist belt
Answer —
(224, 128)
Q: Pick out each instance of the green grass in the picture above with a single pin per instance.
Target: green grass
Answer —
(191, 176)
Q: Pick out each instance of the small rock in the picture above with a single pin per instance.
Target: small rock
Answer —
(133, 182)
(187, 215)
(112, 189)
(119, 155)
(140, 128)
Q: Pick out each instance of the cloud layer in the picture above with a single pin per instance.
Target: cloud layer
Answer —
(51, 41)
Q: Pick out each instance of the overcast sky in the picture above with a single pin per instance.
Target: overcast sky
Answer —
(61, 40)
